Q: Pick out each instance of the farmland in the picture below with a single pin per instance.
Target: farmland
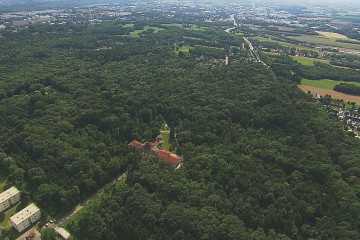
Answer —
(325, 41)
(285, 44)
(325, 84)
(332, 35)
(332, 93)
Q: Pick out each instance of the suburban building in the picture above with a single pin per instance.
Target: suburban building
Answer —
(154, 149)
(63, 233)
(9, 198)
(25, 217)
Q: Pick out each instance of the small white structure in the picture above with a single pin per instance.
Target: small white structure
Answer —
(9, 198)
(63, 233)
(25, 217)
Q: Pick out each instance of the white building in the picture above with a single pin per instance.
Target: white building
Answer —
(63, 233)
(25, 217)
(9, 198)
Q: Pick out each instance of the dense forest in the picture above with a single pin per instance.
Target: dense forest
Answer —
(261, 161)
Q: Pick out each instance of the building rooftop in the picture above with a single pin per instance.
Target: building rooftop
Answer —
(24, 214)
(63, 233)
(8, 194)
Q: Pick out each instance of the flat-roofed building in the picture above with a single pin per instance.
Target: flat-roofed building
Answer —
(25, 217)
(9, 198)
(63, 233)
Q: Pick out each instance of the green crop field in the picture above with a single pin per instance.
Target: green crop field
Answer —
(308, 61)
(285, 44)
(325, 41)
(324, 83)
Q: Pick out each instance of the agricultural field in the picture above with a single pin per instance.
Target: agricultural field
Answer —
(324, 83)
(285, 44)
(308, 61)
(325, 41)
(137, 33)
(332, 35)
(332, 93)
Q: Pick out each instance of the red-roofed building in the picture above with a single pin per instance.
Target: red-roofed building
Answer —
(154, 149)
(169, 157)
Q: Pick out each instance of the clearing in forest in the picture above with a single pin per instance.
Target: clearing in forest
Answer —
(137, 33)
(325, 84)
(332, 93)
(308, 61)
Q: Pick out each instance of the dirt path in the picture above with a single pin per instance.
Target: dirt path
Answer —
(333, 94)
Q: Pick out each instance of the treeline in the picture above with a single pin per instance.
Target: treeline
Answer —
(348, 88)
(285, 66)
(326, 71)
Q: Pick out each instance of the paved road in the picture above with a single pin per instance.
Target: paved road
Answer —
(87, 201)
(253, 52)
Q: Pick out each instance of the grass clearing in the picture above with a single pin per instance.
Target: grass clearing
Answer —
(184, 49)
(128, 25)
(326, 84)
(137, 33)
(308, 61)
(166, 144)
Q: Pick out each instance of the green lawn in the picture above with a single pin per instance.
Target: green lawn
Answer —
(308, 61)
(8, 214)
(137, 33)
(166, 144)
(324, 83)
(128, 25)
(184, 49)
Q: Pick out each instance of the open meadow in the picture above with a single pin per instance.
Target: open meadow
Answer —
(308, 61)
(326, 84)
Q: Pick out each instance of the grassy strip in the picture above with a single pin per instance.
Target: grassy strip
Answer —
(137, 33)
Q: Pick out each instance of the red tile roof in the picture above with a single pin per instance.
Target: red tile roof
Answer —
(152, 149)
